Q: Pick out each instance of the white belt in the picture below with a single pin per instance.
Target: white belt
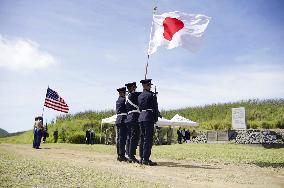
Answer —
(122, 114)
(133, 111)
(147, 110)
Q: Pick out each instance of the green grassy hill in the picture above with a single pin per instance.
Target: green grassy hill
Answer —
(3, 132)
(260, 114)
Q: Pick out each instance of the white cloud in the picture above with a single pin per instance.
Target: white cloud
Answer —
(17, 54)
(244, 82)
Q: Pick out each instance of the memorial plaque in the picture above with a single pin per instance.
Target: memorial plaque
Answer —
(239, 118)
(222, 136)
(211, 136)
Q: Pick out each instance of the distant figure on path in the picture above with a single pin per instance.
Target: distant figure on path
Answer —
(160, 136)
(92, 135)
(169, 135)
(44, 133)
(38, 128)
(88, 135)
(55, 135)
(183, 134)
(187, 136)
(179, 133)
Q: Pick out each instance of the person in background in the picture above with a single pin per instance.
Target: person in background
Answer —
(179, 135)
(44, 133)
(160, 135)
(92, 135)
(187, 136)
(194, 134)
(183, 134)
(35, 132)
(55, 135)
(169, 135)
(88, 134)
(38, 132)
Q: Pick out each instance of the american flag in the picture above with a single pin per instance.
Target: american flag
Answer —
(54, 101)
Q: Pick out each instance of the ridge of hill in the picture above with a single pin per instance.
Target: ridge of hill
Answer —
(260, 114)
(3, 132)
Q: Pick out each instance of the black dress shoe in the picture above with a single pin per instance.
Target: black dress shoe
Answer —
(152, 163)
(122, 158)
(133, 160)
(149, 163)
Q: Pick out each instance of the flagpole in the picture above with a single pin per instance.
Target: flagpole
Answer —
(42, 112)
(146, 69)
(148, 56)
(43, 105)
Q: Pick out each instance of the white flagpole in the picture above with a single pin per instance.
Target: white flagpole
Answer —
(43, 105)
(148, 56)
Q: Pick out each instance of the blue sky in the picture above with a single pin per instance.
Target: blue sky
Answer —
(86, 49)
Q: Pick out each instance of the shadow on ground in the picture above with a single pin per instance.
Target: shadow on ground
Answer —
(174, 164)
(268, 164)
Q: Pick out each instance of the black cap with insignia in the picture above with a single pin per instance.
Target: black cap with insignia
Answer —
(121, 89)
(146, 81)
(128, 85)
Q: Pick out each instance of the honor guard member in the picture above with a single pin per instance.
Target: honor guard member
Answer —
(120, 124)
(131, 121)
(148, 105)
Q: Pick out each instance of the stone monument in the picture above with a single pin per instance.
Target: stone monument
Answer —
(239, 118)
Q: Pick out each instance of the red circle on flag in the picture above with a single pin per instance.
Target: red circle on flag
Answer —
(171, 26)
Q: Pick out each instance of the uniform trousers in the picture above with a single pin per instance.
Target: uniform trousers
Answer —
(133, 134)
(146, 139)
(37, 137)
(121, 139)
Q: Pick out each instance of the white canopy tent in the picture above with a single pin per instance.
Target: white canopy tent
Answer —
(109, 120)
(163, 122)
(178, 120)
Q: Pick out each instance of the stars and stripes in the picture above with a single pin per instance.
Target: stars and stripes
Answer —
(54, 101)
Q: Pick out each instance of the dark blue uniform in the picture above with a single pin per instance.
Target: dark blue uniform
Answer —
(132, 122)
(121, 126)
(148, 106)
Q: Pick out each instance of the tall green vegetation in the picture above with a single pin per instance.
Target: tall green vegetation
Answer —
(260, 114)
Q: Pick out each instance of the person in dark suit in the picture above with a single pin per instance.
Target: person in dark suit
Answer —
(38, 128)
(148, 105)
(92, 137)
(88, 135)
(187, 136)
(131, 121)
(45, 133)
(179, 133)
(120, 124)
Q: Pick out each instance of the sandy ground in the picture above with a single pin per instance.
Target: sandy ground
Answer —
(168, 172)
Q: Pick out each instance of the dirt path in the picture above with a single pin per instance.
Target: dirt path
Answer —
(169, 173)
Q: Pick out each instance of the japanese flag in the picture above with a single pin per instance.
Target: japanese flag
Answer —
(175, 29)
